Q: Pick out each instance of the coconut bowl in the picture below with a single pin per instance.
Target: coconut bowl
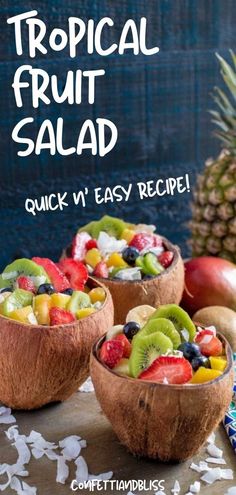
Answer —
(42, 364)
(166, 288)
(161, 421)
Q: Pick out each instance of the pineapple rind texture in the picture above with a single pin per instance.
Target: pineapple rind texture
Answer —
(213, 222)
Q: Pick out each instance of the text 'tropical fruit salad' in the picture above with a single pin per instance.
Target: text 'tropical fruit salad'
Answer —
(163, 346)
(112, 248)
(41, 292)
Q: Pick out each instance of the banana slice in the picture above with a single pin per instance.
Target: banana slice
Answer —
(114, 331)
(140, 314)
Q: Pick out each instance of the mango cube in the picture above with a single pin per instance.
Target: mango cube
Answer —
(115, 259)
(204, 375)
(218, 363)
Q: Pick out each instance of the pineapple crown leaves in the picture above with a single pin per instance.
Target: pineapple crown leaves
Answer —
(225, 117)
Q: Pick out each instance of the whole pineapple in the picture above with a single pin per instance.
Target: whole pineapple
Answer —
(213, 223)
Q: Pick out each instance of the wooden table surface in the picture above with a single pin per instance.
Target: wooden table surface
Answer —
(82, 415)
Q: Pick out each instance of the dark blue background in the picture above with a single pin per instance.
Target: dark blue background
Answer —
(158, 103)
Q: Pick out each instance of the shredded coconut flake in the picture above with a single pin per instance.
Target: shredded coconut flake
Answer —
(214, 451)
(203, 466)
(62, 470)
(195, 487)
(212, 328)
(24, 454)
(129, 274)
(6, 417)
(176, 487)
(87, 386)
(211, 438)
(185, 334)
(217, 474)
(71, 447)
(216, 460)
(231, 491)
(81, 470)
(108, 244)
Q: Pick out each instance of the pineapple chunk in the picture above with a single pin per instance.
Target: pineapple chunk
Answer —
(97, 294)
(93, 257)
(59, 300)
(24, 315)
(42, 306)
(127, 235)
(83, 312)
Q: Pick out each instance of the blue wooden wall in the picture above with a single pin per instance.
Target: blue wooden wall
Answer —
(158, 103)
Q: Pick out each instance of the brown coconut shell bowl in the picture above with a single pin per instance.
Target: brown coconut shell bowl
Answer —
(161, 421)
(166, 288)
(43, 364)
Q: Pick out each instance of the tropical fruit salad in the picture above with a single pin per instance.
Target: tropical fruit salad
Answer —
(163, 345)
(41, 292)
(112, 248)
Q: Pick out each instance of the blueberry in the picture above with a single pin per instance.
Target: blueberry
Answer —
(200, 361)
(129, 255)
(148, 277)
(130, 329)
(46, 289)
(190, 350)
(69, 291)
(6, 289)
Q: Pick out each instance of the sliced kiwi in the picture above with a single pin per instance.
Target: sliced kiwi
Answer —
(140, 262)
(152, 265)
(178, 317)
(18, 299)
(92, 229)
(161, 325)
(113, 226)
(25, 267)
(78, 300)
(146, 349)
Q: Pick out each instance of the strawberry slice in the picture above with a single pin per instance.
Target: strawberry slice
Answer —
(25, 283)
(78, 248)
(59, 316)
(166, 258)
(111, 352)
(169, 369)
(57, 277)
(75, 271)
(157, 240)
(101, 270)
(143, 241)
(209, 344)
(127, 348)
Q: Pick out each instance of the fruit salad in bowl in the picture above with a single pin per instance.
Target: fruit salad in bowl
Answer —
(50, 316)
(40, 292)
(168, 348)
(122, 254)
(172, 377)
